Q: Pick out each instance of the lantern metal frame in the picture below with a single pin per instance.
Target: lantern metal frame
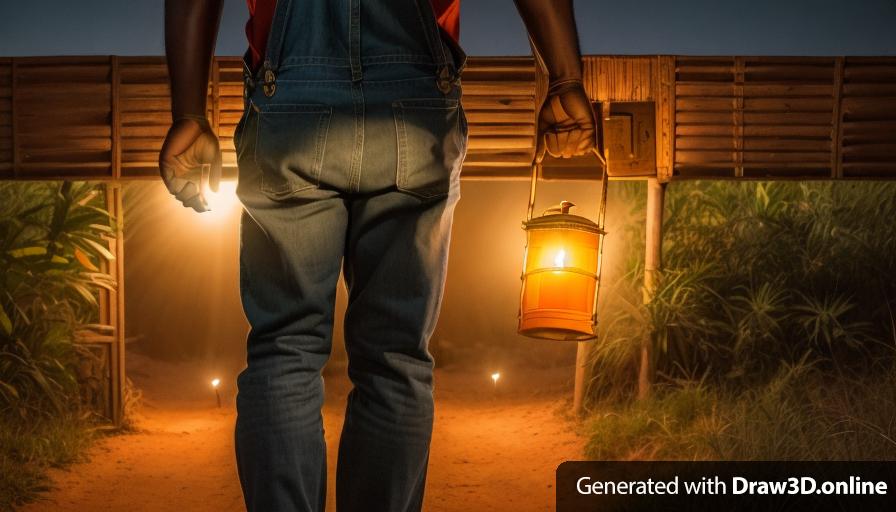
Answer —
(601, 214)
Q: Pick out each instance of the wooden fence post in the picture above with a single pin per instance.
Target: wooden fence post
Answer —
(578, 396)
(652, 264)
(116, 303)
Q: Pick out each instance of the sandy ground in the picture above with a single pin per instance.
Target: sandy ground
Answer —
(490, 451)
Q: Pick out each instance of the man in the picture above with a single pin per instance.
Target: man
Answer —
(349, 153)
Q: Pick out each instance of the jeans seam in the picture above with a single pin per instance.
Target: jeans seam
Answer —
(358, 150)
(402, 140)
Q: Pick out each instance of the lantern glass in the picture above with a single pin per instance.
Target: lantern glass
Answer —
(560, 277)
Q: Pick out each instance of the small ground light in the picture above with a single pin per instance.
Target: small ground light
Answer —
(495, 377)
(215, 384)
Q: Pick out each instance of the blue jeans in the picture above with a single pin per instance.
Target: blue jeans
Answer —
(349, 152)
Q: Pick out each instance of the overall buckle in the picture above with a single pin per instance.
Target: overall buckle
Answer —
(269, 80)
(248, 85)
(446, 80)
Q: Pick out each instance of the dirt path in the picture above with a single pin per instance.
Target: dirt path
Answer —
(490, 451)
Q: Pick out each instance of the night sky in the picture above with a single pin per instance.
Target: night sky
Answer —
(491, 27)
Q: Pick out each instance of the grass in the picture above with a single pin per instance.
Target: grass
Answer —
(773, 326)
(801, 414)
(28, 450)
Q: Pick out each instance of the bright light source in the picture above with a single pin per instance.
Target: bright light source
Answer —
(223, 202)
(496, 376)
(560, 259)
(216, 383)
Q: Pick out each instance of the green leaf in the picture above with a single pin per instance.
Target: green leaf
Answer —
(84, 292)
(104, 252)
(101, 280)
(101, 227)
(9, 390)
(5, 322)
(27, 251)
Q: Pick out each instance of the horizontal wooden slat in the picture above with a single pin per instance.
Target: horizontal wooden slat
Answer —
(796, 157)
(881, 150)
(755, 130)
(705, 104)
(703, 156)
(777, 117)
(786, 144)
(711, 142)
(788, 104)
(492, 129)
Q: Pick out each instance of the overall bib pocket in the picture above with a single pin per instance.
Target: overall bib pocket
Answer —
(289, 147)
(430, 145)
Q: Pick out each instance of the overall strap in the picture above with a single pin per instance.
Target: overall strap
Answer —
(431, 31)
(354, 35)
(275, 46)
(447, 76)
(277, 33)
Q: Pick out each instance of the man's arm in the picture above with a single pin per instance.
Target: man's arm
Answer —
(191, 27)
(566, 125)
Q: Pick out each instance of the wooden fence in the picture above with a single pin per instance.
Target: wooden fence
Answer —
(715, 117)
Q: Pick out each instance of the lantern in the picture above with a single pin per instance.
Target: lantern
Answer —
(561, 269)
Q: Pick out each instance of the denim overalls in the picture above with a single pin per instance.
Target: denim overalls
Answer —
(349, 152)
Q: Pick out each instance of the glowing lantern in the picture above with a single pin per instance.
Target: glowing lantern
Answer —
(561, 270)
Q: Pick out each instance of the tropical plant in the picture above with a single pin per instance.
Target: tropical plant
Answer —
(52, 242)
(757, 276)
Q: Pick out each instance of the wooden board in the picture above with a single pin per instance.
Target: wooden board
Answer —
(715, 117)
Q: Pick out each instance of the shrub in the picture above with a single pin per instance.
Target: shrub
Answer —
(51, 244)
(757, 276)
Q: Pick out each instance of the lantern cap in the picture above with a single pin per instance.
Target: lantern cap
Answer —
(563, 207)
(563, 221)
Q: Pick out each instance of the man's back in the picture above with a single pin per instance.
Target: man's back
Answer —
(261, 13)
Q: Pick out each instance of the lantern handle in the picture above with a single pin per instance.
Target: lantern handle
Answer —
(604, 178)
(604, 159)
(601, 214)
(531, 207)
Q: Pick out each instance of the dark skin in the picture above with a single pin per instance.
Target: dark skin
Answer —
(566, 125)
(191, 27)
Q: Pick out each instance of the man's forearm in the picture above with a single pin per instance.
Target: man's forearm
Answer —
(191, 28)
(552, 29)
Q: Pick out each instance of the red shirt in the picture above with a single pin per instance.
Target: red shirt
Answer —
(261, 14)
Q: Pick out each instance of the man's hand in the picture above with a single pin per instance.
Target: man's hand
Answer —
(191, 27)
(189, 148)
(566, 125)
